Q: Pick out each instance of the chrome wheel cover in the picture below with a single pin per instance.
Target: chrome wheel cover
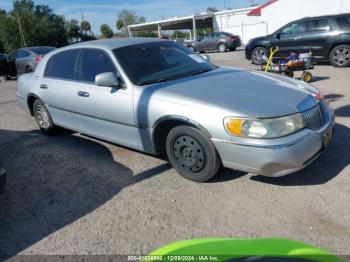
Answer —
(42, 117)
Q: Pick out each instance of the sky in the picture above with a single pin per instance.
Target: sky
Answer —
(106, 11)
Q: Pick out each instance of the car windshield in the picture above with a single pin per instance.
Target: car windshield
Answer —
(159, 62)
(41, 50)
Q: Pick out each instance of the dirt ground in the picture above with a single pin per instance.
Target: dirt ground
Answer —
(73, 195)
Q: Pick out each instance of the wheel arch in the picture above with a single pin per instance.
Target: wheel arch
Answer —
(163, 125)
(30, 102)
(335, 45)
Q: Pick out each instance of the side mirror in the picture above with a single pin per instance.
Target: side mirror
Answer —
(106, 79)
(278, 36)
(205, 57)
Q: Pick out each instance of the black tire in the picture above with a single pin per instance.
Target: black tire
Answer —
(29, 69)
(192, 154)
(43, 118)
(340, 56)
(256, 55)
(222, 48)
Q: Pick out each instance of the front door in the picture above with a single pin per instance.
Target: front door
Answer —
(106, 112)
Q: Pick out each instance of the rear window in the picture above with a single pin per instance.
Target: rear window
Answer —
(343, 22)
(62, 65)
(41, 50)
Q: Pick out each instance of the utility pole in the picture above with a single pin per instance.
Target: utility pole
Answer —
(23, 41)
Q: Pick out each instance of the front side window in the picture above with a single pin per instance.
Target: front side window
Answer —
(94, 62)
(343, 23)
(62, 65)
(294, 29)
(159, 62)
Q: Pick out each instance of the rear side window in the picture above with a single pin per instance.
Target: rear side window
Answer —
(320, 25)
(94, 62)
(343, 22)
(62, 65)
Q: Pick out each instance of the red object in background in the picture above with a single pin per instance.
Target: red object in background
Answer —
(257, 11)
(38, 58)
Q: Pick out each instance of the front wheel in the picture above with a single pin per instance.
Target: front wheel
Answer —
(192, 154)
(340, 56)
(257, 55)
(43, 118)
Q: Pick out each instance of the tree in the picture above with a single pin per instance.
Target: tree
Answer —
(85, 27)
(106, 31)
(39, 26)
(128, 17)
(211, 9)
(73, 30)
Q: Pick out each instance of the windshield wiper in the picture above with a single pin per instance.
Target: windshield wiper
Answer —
(201, 71)
(153, 81)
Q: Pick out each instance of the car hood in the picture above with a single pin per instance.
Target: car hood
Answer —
(243, 92)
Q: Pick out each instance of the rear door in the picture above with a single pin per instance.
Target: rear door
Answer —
(315, 39)
(59, 87)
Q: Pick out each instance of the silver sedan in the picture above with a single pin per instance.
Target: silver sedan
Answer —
(156, 96)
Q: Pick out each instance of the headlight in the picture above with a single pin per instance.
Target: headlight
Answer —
(264, 128)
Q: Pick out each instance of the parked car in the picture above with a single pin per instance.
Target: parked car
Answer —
(155, 95)
(2, 178)
(25, 60)
(327, 37)
(220, 41)
(3, 64)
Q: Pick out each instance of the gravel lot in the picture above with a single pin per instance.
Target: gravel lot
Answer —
(71, 194)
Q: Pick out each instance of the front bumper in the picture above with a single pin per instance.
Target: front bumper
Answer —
(277, 157)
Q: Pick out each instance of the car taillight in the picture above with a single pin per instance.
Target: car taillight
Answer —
(233, 37)
(38, 58)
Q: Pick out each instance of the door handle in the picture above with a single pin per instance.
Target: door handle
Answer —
(83, 94)
(43, 86)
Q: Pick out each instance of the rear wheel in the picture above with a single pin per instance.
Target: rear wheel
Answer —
(43, 118)
(257, 55)
(192, 154)
(340, 56)
(29, 69)
(222, 48)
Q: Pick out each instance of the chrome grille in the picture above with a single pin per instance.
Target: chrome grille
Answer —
(313, 118)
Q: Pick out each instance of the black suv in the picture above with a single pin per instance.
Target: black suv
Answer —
(327, 37)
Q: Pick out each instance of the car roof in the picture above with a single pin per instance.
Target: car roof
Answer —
(116, 42)
(322, 16)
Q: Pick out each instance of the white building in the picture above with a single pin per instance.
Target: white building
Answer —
(249, 22)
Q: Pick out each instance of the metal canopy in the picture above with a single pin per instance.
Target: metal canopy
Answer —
(176, 23)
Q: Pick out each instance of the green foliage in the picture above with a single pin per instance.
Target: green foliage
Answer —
(147, 34)
(39, 24)
(128, 17)
(180, 35)
(85, 27)
(106, 31)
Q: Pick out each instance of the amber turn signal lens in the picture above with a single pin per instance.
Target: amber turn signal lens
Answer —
(234, 126)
